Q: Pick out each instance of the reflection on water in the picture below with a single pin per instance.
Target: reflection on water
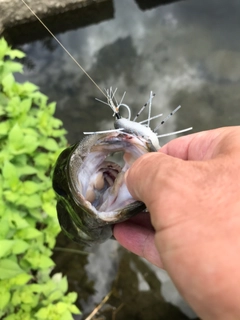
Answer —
(137, 289)
(188, 53)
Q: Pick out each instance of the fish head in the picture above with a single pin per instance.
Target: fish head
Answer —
(91, 192)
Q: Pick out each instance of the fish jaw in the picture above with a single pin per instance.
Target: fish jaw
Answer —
(83, 169)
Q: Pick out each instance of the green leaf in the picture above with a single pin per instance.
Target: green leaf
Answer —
(45, 262)
(48, 195)
(20, 279)
(4, 298)
(12, 246)
(30, 143)
(4, 128)
(29, 87)
(11, 67)
(66, 316)
(42, 160)
(55, 296)
(9, 269)
(29, 233)
(17, 298)
(10, 176)
(8, 82)
(30, 201)
(42, 313)
(20, 246)
(60, 281)
(58, 133)
(3, 102)
(16, 138)
(30, 187)
(71, 297)
(12, 108)
(15, 54)
(50, 209)
(20, 315)
(74, 309)
(50, 144)
(39, 261)
(56, 123)
(5, 247)
(61, 307)
(9, 170)
(3, 47)
(17, 222)
(25, 105)
(51, 108)
(28, 298)
(10, 196)
(4, 228)
(26, 170)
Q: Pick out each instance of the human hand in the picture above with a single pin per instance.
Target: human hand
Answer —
(191, 188)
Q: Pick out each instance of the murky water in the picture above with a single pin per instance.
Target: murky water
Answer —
(188, 53)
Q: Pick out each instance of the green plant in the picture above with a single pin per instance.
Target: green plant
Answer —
(30, 140)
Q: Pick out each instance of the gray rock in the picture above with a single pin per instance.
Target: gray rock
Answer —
(14, 13)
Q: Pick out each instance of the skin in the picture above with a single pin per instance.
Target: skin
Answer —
(191, 188)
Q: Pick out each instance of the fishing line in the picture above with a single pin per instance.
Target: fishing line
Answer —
(59, 42)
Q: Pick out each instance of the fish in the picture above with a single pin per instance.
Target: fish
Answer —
(90, 188)
(91, 192)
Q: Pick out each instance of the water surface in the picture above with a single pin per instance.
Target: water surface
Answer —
(188, 53)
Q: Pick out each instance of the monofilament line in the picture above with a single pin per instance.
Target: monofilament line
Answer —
(58, 41)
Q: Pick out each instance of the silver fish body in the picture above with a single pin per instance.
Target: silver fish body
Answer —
(91, 192)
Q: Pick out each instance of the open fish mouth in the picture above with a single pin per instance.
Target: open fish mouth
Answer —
(91, 191)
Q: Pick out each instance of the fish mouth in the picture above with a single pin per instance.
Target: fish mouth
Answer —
(100, 183)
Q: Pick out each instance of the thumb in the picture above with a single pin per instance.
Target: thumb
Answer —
(144, 175)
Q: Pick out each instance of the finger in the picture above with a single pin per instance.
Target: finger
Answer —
(139, 240)
(197, 146)
(154, 169)
(203, 145)
(142, 219)
(141, 178)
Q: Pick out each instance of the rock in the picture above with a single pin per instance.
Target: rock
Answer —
(18, 24)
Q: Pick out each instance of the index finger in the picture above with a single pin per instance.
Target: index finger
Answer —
(197, 146)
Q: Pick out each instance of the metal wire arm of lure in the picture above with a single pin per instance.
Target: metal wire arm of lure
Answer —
(114, 105)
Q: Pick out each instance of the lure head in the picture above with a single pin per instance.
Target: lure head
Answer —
(91, 191)
(137, 129)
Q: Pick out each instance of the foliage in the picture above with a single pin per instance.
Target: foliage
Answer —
(30, 140)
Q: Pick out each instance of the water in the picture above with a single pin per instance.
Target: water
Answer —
(188, 53)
